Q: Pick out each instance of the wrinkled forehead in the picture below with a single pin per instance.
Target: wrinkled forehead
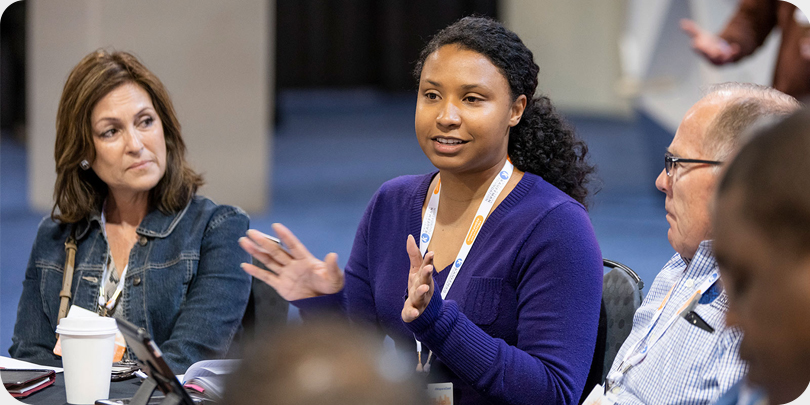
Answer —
(691, 134)
(127, 97)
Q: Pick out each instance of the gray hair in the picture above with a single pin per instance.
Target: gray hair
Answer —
(748, 105)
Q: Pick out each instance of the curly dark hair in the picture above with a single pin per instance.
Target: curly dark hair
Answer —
(542, 143)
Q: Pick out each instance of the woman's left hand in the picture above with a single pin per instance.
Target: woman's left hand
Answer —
(420, 282)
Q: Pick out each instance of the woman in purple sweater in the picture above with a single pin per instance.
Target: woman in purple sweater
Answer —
(490, 265)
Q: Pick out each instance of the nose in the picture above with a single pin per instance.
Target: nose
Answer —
(134, 141)
(448, 117)
(662, 183)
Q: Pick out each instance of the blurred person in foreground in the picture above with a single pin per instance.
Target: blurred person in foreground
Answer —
(323, 362)
(747, 30)
(762, 243)
(680, 350)
(148, 249)
(503, 289)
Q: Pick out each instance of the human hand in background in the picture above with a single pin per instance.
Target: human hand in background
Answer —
(715, 49)
(420, 282)
(294, 272)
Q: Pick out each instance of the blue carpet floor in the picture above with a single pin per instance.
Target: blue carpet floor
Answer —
(333, 149)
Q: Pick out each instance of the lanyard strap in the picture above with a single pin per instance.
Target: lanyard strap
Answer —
(637, 354)
(429, 221)
(103, 303)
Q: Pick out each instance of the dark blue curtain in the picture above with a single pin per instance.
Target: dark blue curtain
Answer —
(348, 43)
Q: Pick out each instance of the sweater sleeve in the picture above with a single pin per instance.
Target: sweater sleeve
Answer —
(559, 280)
(750, 25)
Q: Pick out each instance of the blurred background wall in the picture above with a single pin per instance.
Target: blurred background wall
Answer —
(297, 110)
(661, 74)
(575, 43)
(213, 56)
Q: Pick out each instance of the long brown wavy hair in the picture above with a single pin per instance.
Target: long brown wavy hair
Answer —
(77, 193)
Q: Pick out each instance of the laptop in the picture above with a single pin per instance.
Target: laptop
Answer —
(161, 377)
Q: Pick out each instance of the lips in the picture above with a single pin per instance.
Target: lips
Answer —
(668, 211)
(139, 165)
(448, 141)
(447, 145)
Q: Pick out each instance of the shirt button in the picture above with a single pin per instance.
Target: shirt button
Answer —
(142, 240)
(136, 280)
(690, 283)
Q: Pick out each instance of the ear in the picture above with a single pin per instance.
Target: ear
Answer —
(518, 106)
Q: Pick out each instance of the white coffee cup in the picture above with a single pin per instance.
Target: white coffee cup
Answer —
(87, 355)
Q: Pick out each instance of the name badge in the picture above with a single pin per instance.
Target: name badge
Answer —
(440, 394)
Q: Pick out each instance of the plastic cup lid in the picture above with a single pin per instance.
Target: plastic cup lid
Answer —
(87, 326)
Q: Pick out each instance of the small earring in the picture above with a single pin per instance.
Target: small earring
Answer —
(84, 164)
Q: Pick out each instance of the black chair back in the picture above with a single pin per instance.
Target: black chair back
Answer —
(621, 296)
(266, 313)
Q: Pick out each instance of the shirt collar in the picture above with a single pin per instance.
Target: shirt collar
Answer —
(156, 224)
(703, 262)
(704, 250)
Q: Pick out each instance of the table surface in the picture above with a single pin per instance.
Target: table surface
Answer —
(55, 394)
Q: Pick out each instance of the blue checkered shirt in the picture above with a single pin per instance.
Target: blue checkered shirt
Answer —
(688, 365)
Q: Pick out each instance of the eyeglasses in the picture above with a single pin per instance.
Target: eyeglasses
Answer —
(670, 161)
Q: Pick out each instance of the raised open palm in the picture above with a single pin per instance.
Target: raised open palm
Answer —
(294, 272)
(420, 282)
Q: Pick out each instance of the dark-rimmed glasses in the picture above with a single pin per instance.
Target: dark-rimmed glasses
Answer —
(670, 161)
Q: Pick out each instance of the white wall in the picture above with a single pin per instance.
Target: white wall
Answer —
(213, 57)
(608, 56)
(660, 69)
(575, 43)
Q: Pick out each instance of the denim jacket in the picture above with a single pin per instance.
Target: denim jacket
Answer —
(184, 283)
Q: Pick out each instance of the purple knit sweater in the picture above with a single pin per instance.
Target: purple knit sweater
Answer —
(519, 324)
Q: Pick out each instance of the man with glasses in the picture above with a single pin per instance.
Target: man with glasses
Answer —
(679, 350)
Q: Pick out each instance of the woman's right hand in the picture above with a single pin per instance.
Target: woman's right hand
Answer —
(294, 272)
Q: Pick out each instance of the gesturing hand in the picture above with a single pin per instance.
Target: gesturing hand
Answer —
(295, 274)
(420, 282)
(712, 47)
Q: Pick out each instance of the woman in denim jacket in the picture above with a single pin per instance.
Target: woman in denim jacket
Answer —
(148, 249)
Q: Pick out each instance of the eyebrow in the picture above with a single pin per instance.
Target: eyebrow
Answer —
(138, 114)
(473, 86)
(465, 87)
